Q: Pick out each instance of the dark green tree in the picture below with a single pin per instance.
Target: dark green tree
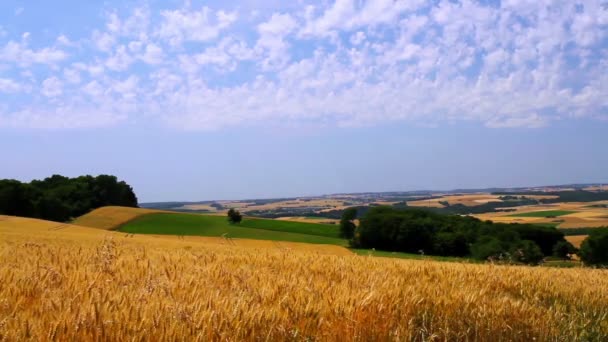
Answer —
(347, 226)
(234, 216)
(563, 250)
(526, 252)
(60, 198)
(594, 250)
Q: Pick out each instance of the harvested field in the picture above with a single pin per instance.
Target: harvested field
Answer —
(111, 217)
(58, 285)
(466, 199)
(580, 215)
(576, 240)
(304, 219)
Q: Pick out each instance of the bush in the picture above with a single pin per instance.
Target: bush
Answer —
(594, 250)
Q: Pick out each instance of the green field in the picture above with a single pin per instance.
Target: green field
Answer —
(546, 213)
(259, 229)
(548, 224)
(401, 255)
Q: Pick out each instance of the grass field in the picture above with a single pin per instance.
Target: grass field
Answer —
(70, 283)
(205, 225)
(547, 224)
(400, 255)
(544, 213)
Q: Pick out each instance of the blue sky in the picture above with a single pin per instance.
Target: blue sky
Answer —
(192, 100)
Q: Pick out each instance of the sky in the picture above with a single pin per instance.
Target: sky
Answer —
(201, 100)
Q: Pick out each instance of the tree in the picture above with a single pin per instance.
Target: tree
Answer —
(60, 198)
(527, 252)
(563, 250)
(347, 226)
(594, 250)
(234, 216)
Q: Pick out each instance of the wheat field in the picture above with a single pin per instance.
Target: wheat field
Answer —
(81, 284)
(111, 217)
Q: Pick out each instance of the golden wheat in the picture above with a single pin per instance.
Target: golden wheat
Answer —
(111, 217)
(57, 285)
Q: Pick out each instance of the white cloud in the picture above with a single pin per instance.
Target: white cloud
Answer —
(22, 55)
(9, 86)
(120, 60)
(357, 38)
(193, 25)
(104, 41)
(126, 88)
(272, 44)
(153, 54)
(346, 63)
(65, 41)
(348, 15)
(52, 87)
(71, 76)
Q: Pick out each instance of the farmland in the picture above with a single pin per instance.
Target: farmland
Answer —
(67, 282)
(562, 215)
(546, 213)
(206, 225)
(111, 217)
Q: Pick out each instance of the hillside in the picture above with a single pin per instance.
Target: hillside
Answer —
(111, 217)
(66, 282)
(250, 228)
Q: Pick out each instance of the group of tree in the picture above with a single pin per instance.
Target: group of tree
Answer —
(60, 198)
(423, 231)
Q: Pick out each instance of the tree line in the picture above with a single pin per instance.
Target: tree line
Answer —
(422, 231)
(59, 198)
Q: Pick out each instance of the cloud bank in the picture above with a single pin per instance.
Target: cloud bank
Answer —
(512, 63)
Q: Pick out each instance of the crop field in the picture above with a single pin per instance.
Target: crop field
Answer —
(547, 213)
(566, 215)
(64, 282)
(204, 225)
(466, 199)
(111, 217)
(308, 219)
(245, 206)
(576, 240)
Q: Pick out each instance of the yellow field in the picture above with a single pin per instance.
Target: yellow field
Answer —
(308, 219)
(70, 283)
(466, 199)
(11, 226)
(111, 217)
(576, 240)
(328, 204)
(584, 217)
